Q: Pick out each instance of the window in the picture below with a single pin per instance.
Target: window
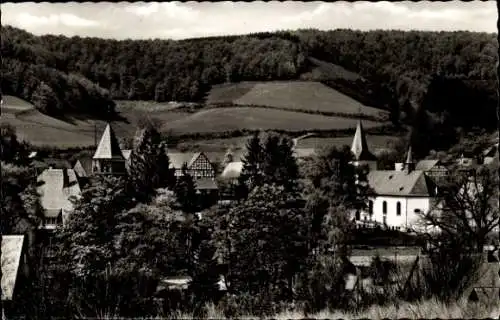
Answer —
(398, 208)
(370, 207)
(384, 207)
(358, 215)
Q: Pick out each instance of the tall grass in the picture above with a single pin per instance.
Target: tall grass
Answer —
(428, 309)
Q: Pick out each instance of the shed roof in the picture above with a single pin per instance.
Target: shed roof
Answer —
(12, 246)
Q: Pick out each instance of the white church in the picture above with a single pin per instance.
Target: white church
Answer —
(397, 196)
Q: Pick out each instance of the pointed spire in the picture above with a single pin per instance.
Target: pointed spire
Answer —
(359, 146)
(409, 163)
(108, 147)
(409, 156)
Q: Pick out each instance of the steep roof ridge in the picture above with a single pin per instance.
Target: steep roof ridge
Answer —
(108, 147)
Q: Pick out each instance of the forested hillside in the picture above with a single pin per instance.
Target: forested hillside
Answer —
(36, 74)
(399, 71)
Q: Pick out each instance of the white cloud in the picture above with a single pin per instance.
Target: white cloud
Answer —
(192, 19)
(172, 10)
(31, 21)
(143, 9)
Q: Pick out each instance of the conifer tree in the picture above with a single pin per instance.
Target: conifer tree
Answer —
(252, 174)
(149, 164)
(185, 190)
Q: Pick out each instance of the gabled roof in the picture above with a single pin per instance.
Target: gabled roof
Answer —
(359, 146)
(232, 170)
(400, 183)
(83, 167)
(12, 247)
(195, 157)
(426, 165)
(57, 187)
(108, 147)
(178, 159)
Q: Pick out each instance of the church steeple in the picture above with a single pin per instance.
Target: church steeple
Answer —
(409, 163)
(359, 146)
(108, 147)
(108, 157)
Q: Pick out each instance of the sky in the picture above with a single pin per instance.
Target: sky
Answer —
(180, 20)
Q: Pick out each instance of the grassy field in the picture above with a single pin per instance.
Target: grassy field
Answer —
(228, 119)
(374, 141)
(293, 95)
(42, 130)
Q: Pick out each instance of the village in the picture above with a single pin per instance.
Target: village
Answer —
(396, 202)
(255, 160)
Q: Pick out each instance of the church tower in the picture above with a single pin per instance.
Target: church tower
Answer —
(362, 156)
(409, 164)
(108, 158)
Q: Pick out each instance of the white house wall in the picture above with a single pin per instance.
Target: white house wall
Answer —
(408, 217)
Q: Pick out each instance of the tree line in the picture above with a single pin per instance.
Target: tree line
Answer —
(399, 71)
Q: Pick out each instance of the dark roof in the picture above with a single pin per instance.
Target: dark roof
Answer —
(83, 167)
(108, 147)
(400, 183)
(359, 146)
(426, 165)
(206, 184)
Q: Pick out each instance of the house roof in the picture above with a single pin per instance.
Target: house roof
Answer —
(12, 246)
(126, 153)
(400, 183)
(206, 184)
(83, 167)
(426, 165)
(359, 146)
(177, 159)
(58, 186)
(108, 147)
(232, 170)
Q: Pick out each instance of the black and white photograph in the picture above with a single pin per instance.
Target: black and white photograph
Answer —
(250, 160)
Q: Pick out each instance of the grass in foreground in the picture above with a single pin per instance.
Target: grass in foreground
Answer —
(428, 309)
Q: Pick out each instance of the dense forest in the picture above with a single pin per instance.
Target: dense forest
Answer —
(398, 70)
